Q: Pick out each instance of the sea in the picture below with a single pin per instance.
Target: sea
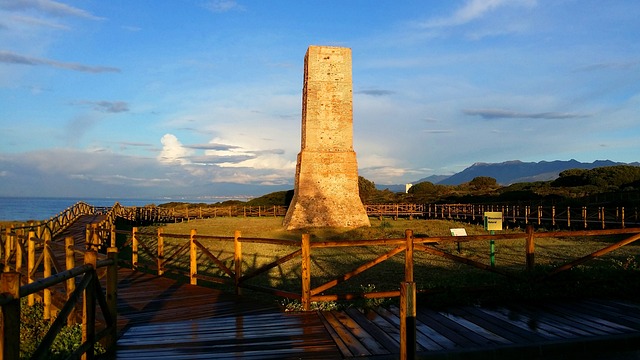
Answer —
(43, 208)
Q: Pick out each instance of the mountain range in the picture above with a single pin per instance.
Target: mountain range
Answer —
(510, 172)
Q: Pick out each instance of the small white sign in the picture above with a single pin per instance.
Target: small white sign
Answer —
(458, 232)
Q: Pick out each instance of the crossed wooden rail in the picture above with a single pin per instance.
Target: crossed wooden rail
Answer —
(89, 288)
(192, 246)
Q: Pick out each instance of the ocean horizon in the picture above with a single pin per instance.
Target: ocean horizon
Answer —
(44, 208)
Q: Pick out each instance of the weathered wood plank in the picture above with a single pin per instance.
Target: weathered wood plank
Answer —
(393, 315)
(497, 326)
(528, 323)
(355, 347)
(364, 337)
(383, 338)
(542, 316)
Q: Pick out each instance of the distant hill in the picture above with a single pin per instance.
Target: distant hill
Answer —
(516, 171)
(510, 172)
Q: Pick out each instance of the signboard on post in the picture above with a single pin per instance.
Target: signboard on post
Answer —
(493, 220)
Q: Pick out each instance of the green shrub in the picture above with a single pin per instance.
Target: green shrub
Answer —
(33, 328)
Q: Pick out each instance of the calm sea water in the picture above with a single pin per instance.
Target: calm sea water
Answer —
(24, 209)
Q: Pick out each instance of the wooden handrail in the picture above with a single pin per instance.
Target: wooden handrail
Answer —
(409, 244)
(11, 292)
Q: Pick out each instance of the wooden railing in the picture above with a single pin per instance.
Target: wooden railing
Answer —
(187, 253)
(551, 216)
(46, 230)
(41, 253)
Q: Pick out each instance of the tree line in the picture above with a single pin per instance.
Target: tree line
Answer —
(617, 185)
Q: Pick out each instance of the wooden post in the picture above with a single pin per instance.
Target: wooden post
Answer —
(568, 217)
(113, 236)
(530, 248)
(71, 283)
(408, 256)
(193, 258)
(47, 272)
(87, 237)
(407, 320)
(160, 262)
(7, 248)
(31, 264)
(622, 217)
(10, 339)
(18, 249)
(95, 239)
(89, 308)
(539, 215)
(134, 248)
(237, 260)
(112, 298)
(584, 216)
(553, 215)
(306, 272)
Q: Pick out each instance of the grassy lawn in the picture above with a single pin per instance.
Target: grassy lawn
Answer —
(444, 281)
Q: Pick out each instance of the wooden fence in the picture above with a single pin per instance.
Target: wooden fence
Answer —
(550, 216)
(159, 257)
(513, 215)
(19, 280)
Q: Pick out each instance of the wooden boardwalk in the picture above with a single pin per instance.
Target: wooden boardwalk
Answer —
(164, 318)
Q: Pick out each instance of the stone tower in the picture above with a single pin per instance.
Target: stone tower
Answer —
(326, 185)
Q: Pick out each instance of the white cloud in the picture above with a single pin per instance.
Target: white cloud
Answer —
(220, 6)
(474, 9)
(173, 152)
(47, 7)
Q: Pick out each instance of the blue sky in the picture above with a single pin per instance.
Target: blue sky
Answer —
(141, 98)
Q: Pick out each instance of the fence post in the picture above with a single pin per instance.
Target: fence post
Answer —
(31, 264)
(95, 239)
(408, 256)
(89, 307)
(237, 260)
(7, 248)
(193, 258)
(530, 248)
(407, 320)
(71, 283)
(19, 251)
(160, 262)
(112, 298)
(113, 236)
(134, 249)
(87, 237)
(10, 339)
(306, 272)
(46, 273)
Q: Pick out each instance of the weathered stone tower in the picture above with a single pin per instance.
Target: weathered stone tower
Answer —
(326, 184)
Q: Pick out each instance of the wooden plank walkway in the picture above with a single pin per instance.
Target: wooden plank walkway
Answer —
(164, 318)
(160, 317)
(583, 328)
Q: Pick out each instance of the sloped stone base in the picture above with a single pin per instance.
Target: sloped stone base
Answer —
(326, 192)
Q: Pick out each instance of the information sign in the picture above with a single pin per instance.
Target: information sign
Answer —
(493, 220)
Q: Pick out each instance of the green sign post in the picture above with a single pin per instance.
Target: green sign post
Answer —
(492, 222)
